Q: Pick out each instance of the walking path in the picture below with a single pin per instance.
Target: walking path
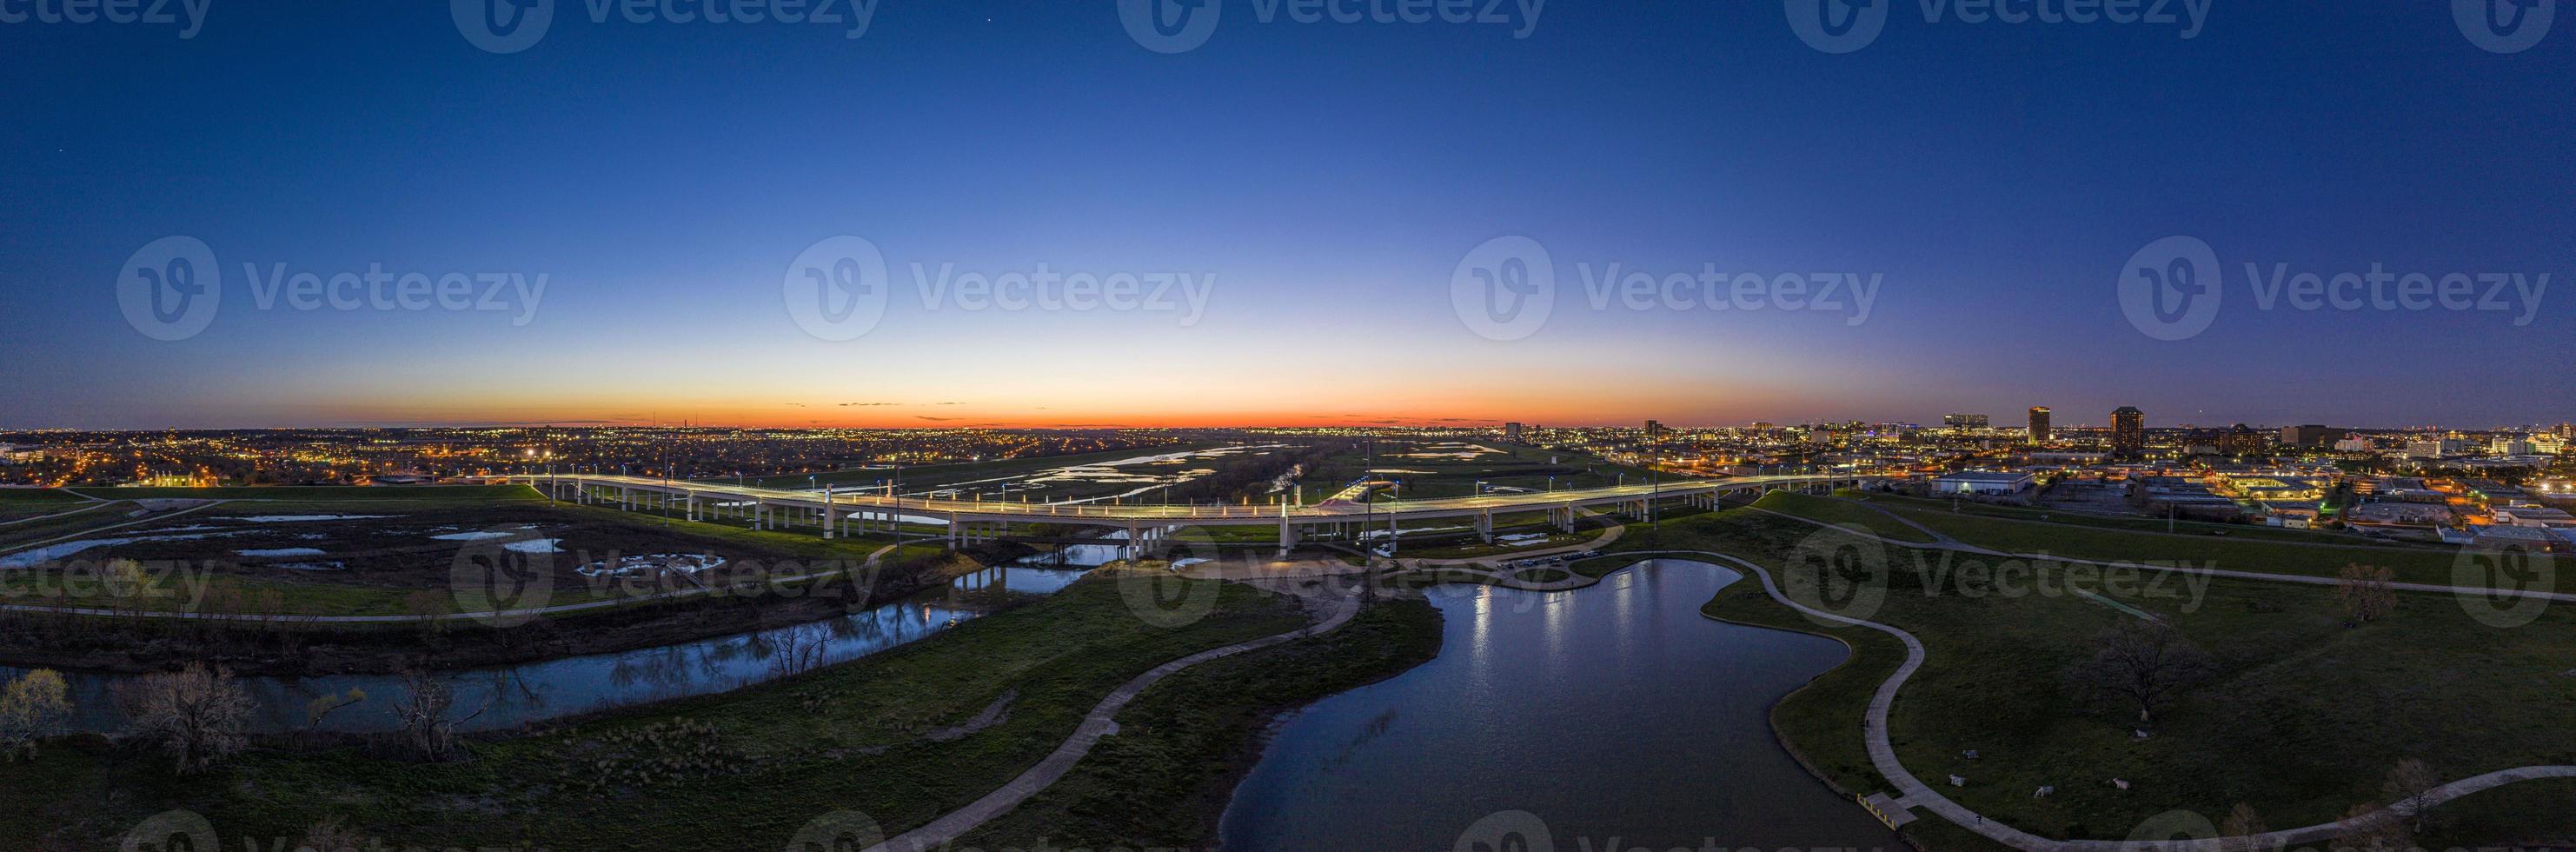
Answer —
(1914, 793)
(1099, 723)
(92, 503)
(1938, 536)
(162, 516)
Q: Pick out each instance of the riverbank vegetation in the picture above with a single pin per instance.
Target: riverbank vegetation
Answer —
(2302, 716)
(902, 736)
(400, 577)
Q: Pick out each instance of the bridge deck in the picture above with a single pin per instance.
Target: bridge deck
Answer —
(1095, 512)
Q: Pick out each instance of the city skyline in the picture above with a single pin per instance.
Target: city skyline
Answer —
(1287, 425)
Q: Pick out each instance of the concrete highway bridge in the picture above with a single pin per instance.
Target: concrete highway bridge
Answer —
(850, 512)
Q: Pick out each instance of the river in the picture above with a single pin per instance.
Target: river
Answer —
(1617, 716)
(514, 695)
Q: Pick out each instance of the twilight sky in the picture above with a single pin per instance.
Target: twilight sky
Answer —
(1320, 181)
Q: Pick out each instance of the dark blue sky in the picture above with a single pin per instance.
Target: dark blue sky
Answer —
(1996, 178)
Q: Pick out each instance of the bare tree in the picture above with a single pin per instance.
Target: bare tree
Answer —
(128, 586)
(798, 649)
(199, 716)
(320, 708)
(424, 713)
(331, 835)
(2365, 593)
(2365, 829)
(30, 708)
(426, 609)
(2143, 663)
(2409, 789)
(2242, 822)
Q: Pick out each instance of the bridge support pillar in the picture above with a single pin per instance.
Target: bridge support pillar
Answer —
(1288, 536)
(1485, 526)
(831, 523)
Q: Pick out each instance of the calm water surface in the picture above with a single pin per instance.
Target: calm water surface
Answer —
(550, 689)
(1617, 715)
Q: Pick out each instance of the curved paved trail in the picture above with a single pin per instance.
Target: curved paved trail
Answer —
(1099, 723)
(1914, 793)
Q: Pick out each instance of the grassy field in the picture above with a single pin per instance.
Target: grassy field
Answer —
(741, 770)
(22, 503)
(370, 551)
(2208, 552)
(929, 475)
(1841, 512)
(334, 494)
(2304, 717)
(1436, 470)
(1165, 779)
(2111, 522)
(1015, 479)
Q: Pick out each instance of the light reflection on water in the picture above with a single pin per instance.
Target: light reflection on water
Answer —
(555, 688)
(1617, 711)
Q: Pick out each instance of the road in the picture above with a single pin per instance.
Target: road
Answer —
(1118, 513)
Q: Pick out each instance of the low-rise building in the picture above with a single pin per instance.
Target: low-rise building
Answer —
(2293, 515)
(2518, 538)
(2418, 520)
(2533, 516)
(1983, 482)
(2434, 448)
